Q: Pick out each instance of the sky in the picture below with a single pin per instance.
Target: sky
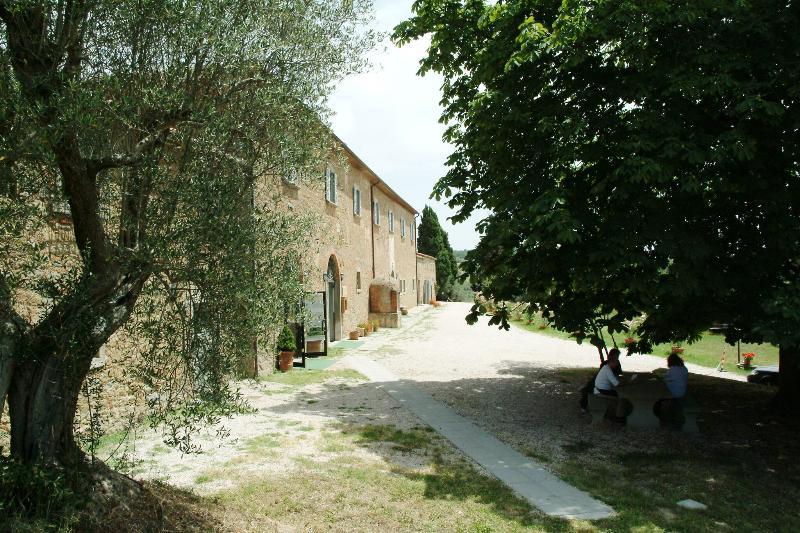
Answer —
(389, 117)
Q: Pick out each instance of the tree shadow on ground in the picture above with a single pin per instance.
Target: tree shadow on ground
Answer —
(742, 448)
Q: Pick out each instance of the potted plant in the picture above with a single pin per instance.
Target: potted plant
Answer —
(403, 310)
(368, 326)
(353, 335)
(375, 324)
(362, 330)
(677, 350)
(747, 359)
(286, 347)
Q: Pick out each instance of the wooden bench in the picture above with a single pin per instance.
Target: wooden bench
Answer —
(601, 406)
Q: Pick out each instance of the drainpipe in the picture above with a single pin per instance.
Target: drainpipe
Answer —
(416, 258)
(372, 224)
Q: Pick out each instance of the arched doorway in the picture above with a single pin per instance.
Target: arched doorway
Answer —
(333, 296)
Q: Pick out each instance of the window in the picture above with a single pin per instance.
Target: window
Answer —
(358, 281)
(376, 213)
(356, 201)
(330, 186)
(391, 221)
(402, 285)
(403, 227)
(413, 232)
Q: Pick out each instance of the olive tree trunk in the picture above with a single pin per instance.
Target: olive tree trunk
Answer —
(44, 374)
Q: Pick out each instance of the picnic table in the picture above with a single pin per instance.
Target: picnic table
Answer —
(643, 390)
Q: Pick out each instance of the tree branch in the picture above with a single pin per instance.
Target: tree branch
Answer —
(143, 148)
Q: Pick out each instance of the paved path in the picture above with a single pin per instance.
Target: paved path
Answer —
(527, 478)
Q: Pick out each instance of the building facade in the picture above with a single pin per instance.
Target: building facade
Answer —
(367, 237)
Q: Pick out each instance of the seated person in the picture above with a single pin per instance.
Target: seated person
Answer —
(606, 380)
(677, 376)
(676, 380)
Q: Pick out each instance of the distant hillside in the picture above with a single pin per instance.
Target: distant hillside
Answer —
(463, 292)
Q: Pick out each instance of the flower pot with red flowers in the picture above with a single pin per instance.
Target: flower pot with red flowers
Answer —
(677, 350)
(287, 347)
(747, 359)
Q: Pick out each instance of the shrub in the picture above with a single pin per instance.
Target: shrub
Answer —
(286, 340)
(36, 496)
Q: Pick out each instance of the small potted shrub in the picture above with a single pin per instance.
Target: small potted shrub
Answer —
(375, 324)
(403, 310)
(362, 330)
(287, 348)
(353, 335)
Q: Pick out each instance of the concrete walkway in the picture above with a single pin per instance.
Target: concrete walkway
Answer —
(527, 478)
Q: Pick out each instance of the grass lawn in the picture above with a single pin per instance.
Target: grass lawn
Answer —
(705, 352)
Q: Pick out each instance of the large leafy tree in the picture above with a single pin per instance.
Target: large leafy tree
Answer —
(152, 122)
(636, 157)
(432, 240)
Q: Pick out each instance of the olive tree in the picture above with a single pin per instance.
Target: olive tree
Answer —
(155, 122)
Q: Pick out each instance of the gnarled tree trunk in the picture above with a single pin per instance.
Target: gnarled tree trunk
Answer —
(52, 362)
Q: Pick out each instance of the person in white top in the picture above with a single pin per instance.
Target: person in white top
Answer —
(607, 381)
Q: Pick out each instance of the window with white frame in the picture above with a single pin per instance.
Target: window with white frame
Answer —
(356, 200)
(376, 213)
(403, 227)
(391, 221)
(331, 186)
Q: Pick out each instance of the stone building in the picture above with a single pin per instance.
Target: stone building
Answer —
(367, 239)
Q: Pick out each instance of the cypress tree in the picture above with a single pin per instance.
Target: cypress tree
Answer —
(432, 240)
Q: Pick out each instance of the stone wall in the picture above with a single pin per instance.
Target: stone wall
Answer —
(426, 269)
(363, 246)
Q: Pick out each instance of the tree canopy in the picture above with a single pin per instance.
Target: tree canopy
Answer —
(432, 240)
(636, 157)
(150, 125)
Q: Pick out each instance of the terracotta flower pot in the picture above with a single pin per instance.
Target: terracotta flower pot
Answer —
(286, 361)
(353, 335)
(403, 311)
